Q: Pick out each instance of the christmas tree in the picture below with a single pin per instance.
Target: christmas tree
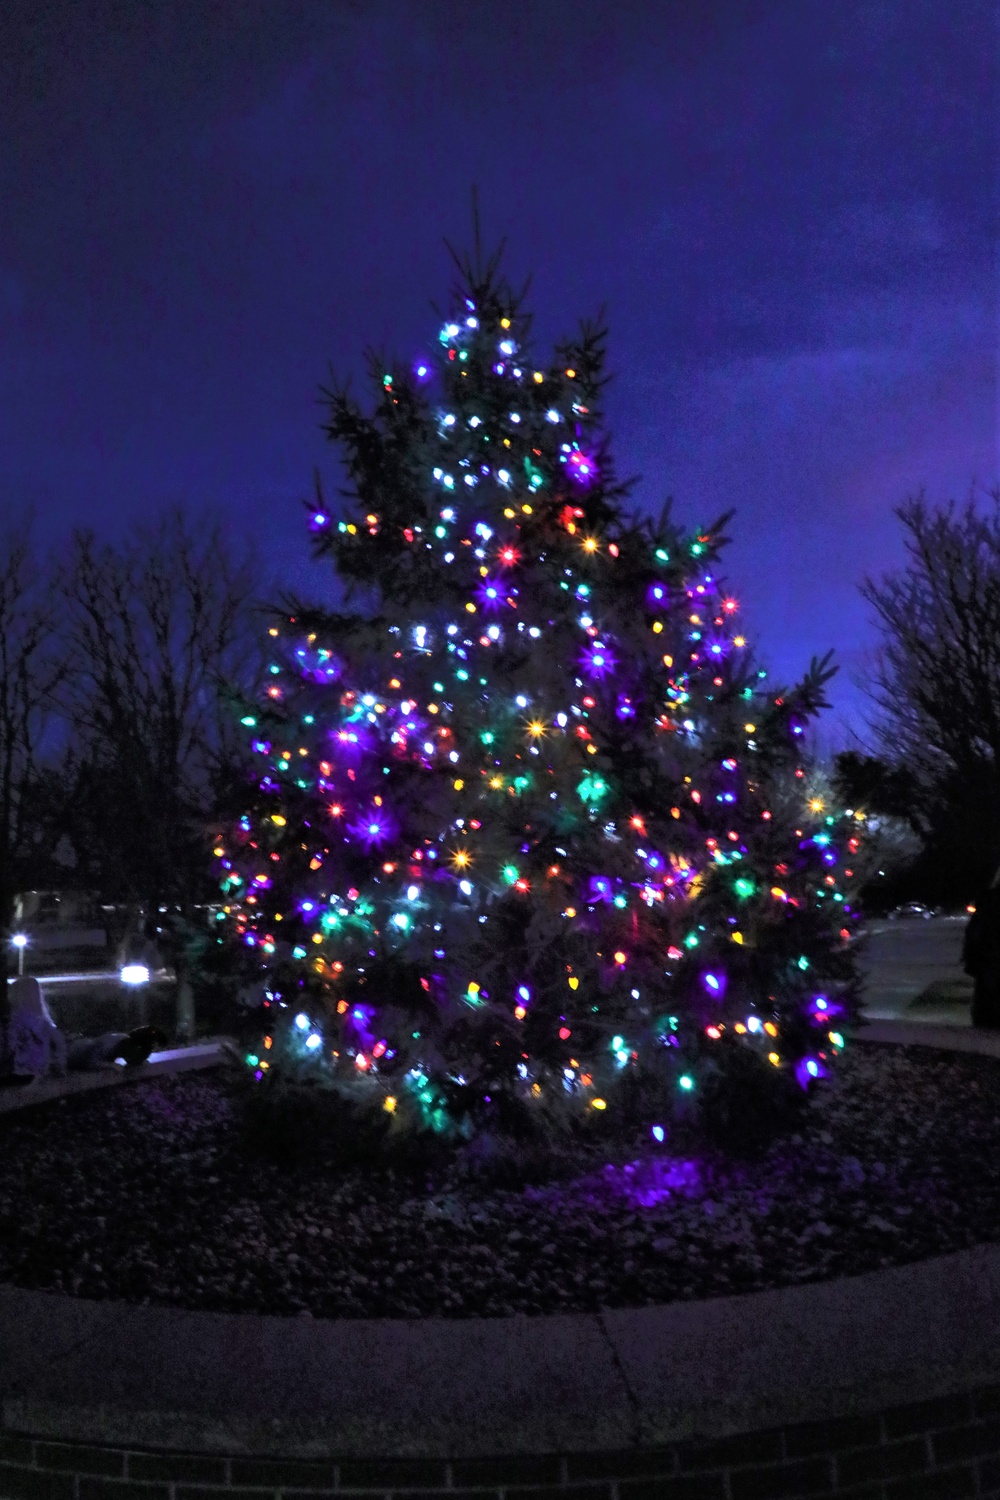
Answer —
(531, 843)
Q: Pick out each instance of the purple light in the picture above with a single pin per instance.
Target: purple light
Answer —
(656, 595)
(715, 984)
(489, 593)
(422, 370)
(600, 889)
(581, 466)
(625, 709)
(598, 660)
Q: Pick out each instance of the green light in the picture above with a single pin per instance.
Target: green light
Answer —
(691, 941)
(620, 902)
(744, 888)
(387, 380)
(686, 1081)
(439, 687)
(836, 1038)
(697, 549)
(803, 962)
(592, 789)
(249, 721)
(486, 737)
(462, 675)
(309, 719)
(440, 531)
(511, 873)
(253, 1059)
(298, 953)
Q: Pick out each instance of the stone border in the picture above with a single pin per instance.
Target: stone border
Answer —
(440, 1389)
(15, 1096)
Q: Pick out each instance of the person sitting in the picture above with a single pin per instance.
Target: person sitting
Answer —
(35, 1043)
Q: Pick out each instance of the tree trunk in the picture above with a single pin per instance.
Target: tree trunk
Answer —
(6, 929)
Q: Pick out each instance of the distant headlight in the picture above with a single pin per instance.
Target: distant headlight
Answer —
(135, 974)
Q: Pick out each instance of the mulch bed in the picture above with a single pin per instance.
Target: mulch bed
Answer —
(145, 1194)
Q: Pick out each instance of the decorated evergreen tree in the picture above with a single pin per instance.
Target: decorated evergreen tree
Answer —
(530, 842)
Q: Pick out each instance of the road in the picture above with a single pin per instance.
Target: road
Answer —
(901, 959)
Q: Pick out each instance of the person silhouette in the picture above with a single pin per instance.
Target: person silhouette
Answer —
(981, 957)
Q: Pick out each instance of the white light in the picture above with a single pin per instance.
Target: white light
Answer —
(561, 720)
(514, 417)
(503, 476)
(552, 415)
(449, 420)
(506, 347)
(302, 1021)
(20, 940)
(494, 632)
(314, 1041)
(465, 886)
(474, 421)
(451, 329)
(521, 701)
(472, 322)
(534, 632)
(401, 920)
(134, 974)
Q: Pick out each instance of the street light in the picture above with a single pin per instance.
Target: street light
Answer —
(20, 941)
(134, 974)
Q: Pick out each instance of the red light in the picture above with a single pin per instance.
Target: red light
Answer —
(564, 1033)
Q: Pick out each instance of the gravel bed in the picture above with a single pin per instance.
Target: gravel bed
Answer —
(144, 1194)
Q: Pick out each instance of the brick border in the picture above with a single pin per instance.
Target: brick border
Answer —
(944, 1449)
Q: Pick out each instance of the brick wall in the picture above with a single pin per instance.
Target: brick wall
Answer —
(945, 1449)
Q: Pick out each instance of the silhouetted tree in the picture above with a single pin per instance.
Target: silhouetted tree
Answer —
(161, 631)
(31, 668)
(936, 684)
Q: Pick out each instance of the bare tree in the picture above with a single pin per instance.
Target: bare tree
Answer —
(162, 629)
(31, 670)
(936, 684)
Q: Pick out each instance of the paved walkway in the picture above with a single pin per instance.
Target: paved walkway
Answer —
(42, 1090)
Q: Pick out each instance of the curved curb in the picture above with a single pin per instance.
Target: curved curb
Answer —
(101, 1372)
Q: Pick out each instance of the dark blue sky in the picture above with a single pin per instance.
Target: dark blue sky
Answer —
(789, 208)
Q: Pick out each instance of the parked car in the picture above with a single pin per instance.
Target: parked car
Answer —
(912, 909)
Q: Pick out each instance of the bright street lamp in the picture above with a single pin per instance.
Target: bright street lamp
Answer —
(20, 941)
(134, 974)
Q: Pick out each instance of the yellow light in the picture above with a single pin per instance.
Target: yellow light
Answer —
(620, 957)
(459, 784)
(570, 911)
(470, 609)
(738, 937)
(657, 626)
(473, 988)
(675, 812)
(668, 661)
(598, 1104)
(591, 749)
(432, 708)
(510, 514)
(352, 530)
(739, 640)
(461, 859)
(773, 1057)
(739, 1028)
(536, 1089)
(496, 782)
(278, 820)
(571, 374)
(750, 728)
(778, 893)
(590, 544)
(770, 1028)
(389, 1105)
(535, 728)
(372, 520)
(504, 322)
(859, 817)
(526, 509)
(219, 852)
(395, 682)
(539, 377)
(272, 631)
(317, 937)
(574, 983)
(816, 805)
(519, 1012)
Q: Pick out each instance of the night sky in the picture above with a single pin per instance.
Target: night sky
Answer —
(788, 207)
